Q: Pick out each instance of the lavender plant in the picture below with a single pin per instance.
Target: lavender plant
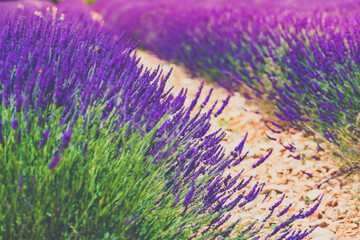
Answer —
(94, 147)
(11, 6)
(302, 59)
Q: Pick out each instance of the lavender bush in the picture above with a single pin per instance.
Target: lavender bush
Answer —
(300, 56)
(93, 147)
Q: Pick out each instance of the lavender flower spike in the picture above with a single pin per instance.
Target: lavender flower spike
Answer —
(207, 98)
(313, 209)
(83, 152)
(66, 138)
(277, 203)
(44, 138)
(54, 162)
(189, 195)
(225, 103)
(285, 210)
(261, 160)
(14, 123)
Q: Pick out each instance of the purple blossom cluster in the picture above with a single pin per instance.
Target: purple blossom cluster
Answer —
(302, 56)
(48, 62)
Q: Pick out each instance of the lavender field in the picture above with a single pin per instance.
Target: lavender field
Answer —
(247, 128)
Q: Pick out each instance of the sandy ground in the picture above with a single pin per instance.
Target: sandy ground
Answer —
(338, 215)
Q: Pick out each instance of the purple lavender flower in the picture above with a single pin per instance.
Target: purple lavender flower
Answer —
(83, 152)
(225, 103)
(45, 136)
(241, 145)
(266, 196)
(189, 195)
(18, 139)
(19, 102)
(194, 101)
(277, 203)
(261, 160)
(308, 174)
(66, 139)
(285, 210)
(271, 138)
(319, 148)
(207, 98)
(313, 209)
(223, 221)
(14, 123)
(55, 160)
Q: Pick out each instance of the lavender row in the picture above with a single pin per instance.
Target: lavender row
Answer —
(300, 56)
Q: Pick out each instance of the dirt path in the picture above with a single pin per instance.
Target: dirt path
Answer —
(338, 215)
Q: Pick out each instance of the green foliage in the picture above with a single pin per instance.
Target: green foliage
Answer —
(89, 195)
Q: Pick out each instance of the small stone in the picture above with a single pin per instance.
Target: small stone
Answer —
(275, 187)
(342, 211)
(237, 100)
(335, 203)
(321, 223)
(319, 215)
(187, 81)
(353, 225)
(351, 213)
(333, 214)
(322, 234)
(314, 194)
(328, 203)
